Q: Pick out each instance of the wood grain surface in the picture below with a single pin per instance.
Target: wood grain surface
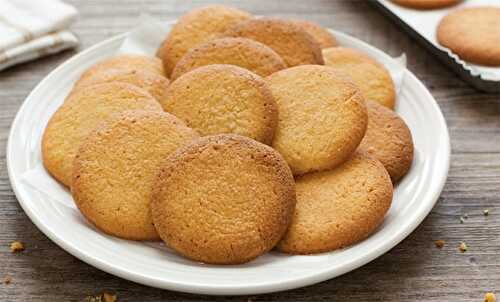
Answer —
(415, 270)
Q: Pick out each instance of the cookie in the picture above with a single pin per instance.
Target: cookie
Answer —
(320, 34)
(236, 202)
(286, 38)
(79, 115)
(388, 139)
(473, 34)
(128, 62)
(151, 82)
(196, 27)
(426, 4)
(116, 166)
(216, 99)
(370, 76)
(322, 117)
(339, 207)
(242, 52)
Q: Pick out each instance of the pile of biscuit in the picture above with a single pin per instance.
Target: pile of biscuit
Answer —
(472, 33)
(244, 135)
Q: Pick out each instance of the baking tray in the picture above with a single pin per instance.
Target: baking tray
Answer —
(422, 25)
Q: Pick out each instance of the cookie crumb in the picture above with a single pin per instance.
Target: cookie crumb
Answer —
(7, 280)
(490, 297)
(462, 220)
(439, 243)
(107, 297)
(463, 247)
(16, 247)
(486, 212)
(104, 297)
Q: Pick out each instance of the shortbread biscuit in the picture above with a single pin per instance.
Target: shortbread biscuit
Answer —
(128, 62)
(286, 38)
(370, 76)
(196, 27)
(339, 207)
(426, 4)
(322, 117)
(473, 34)
(324, 37)
(242, 52)
(217, 99)
(151, 82)
(79, 115)
(388, 139)
(116, 166)
(223, 199)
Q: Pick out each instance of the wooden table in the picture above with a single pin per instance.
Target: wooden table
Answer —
(415, 270)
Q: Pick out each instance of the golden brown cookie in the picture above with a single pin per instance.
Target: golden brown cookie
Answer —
(339, 207)
(196, 27)
(236, 202)
(128, 62)
(116, 166)
(242, 52)
(426, 4)
(371, 77)
(151, 82)
(473, 34)
(79, 115)
(286, 38)
(324, 37)
(216, 99)
(388, 139)
(322, 117)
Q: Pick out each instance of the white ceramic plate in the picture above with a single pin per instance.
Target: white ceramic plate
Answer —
(154, 265)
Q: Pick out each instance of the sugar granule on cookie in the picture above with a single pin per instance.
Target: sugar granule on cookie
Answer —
(439, 244)
(16, 247)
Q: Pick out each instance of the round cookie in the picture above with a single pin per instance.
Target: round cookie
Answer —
(128, 62)
(116, 166)
(374, 81)
(217, 99)
(339, 207)
(245, 53)
(320, 34)
(322, 117)
(426, 4)
(79, 115)
(388, 139)
(196, 27)
(473, 34)
(237, 200)
(151, 82)
(286, 38)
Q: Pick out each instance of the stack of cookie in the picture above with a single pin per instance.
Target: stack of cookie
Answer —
(244, 135)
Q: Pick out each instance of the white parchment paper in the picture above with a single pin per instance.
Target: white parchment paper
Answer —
(145, 38)
(425, 23)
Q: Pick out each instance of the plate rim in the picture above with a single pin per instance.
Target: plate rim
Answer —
(227, 289)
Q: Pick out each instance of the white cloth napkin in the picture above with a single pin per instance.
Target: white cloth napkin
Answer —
(30, 29)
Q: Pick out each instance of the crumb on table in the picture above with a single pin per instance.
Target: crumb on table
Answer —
(490, 297)
(109, 297)
(463, 247)
(439, 243)
(16, 247)
(104, 297)
(486, 212)
(7, 280)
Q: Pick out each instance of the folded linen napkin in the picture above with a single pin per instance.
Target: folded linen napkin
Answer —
(31, 29)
